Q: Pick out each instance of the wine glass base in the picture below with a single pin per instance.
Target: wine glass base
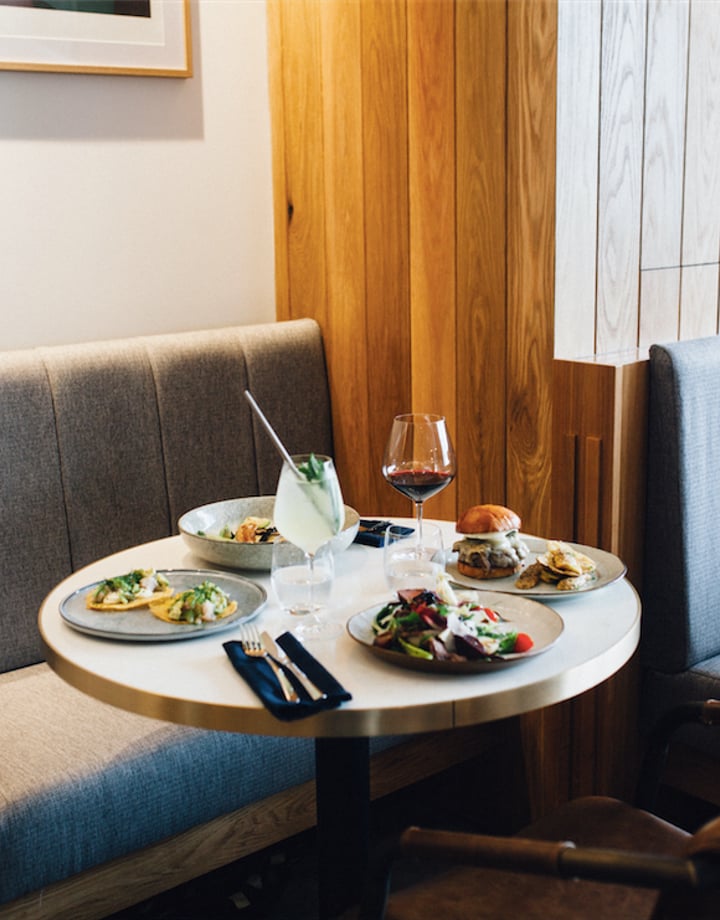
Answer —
(317, 629)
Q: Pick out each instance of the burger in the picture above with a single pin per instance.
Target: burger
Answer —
(491, 546)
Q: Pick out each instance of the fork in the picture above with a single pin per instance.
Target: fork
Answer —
(253, 648)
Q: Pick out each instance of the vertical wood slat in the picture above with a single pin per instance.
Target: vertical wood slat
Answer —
(621, 126)
(431, 138)
(699, 300)
(576, 201)
(532, 49)
(701, 232)
(629, 423)
(385, 144)
(589, 528)
(701, 223)
(480, 328)
(343, 207)
(663, 161)
(304, 163)
(546, 737)
(659, 306)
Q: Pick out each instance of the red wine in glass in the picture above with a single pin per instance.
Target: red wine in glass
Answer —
(419, 485)
(419, 458)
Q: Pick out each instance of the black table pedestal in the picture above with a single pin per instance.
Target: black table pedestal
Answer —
(342, 781)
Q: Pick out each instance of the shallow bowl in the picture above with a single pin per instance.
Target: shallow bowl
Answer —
(201, 529)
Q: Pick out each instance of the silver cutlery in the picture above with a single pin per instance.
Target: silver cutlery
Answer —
(253, 648)
(282, 658)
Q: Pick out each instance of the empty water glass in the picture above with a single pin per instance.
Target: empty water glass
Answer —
(410, 565)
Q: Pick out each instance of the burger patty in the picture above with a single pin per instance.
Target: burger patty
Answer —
(488, 556)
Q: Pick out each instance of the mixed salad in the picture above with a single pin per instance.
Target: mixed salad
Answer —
(424, 624)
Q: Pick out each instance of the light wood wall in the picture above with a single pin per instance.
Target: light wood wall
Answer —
(414, 188)
(638, 207)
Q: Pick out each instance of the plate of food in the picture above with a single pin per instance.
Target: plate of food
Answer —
(422, 631)
(239, 533)
(492, 553)
(145, 605)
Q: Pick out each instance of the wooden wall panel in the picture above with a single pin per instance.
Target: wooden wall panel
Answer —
(404, 232)
(532, 36)
(659, 305)
(304, 163)
(663, 161)
(699, 301)
(481, 325)
(343, 155)
(620, 186)
(701, 236)
(385, 162)
(653, 276)
(576, 200)
(431, 139)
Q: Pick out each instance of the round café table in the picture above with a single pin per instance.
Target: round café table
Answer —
(193, 681)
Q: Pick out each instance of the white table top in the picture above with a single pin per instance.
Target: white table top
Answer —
(193, 682)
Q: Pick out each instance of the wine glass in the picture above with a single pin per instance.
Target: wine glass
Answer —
(309, 512)
(419, 459)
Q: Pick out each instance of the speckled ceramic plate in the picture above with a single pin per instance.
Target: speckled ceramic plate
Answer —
(539, 621)
(201, 529)
(609, 569)
(139, 625)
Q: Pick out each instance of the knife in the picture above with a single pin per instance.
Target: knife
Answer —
(276, 652)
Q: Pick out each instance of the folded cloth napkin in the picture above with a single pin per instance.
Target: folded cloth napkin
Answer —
(372, 533)
(259, 675)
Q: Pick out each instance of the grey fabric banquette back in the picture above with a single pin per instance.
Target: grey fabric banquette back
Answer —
(105, 445)
(680, 645)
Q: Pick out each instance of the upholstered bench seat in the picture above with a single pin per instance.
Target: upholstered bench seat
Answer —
(88, 783)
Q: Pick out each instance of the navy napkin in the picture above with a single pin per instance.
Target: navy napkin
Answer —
(257, 672)
(372, 533)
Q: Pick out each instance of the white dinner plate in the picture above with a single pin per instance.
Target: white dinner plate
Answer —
(139, 624)
(540, 622)
(609, 569)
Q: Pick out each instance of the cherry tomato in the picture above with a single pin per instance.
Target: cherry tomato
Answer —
(523, 643)
(488, 612)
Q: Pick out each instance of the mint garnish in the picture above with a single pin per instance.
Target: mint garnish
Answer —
(312, 469)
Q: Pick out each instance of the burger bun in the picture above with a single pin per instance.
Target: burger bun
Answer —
(487, 519)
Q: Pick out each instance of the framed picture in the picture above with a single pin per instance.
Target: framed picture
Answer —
(141, 37)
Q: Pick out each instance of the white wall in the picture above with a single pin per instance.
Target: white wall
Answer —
(132, 205)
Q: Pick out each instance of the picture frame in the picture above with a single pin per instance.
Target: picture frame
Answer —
(135, 37)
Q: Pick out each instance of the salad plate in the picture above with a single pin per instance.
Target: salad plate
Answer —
(608, 570)
(140, 625)
(543, 624)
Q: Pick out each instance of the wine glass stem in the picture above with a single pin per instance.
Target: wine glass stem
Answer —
(419, 515)
(311, 587)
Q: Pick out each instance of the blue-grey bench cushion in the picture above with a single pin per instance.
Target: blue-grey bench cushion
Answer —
(83, 782)
(681, 584)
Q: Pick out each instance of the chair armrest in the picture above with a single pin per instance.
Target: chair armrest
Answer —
(705, 712)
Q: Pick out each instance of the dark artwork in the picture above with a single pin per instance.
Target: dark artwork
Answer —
(113, 7)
